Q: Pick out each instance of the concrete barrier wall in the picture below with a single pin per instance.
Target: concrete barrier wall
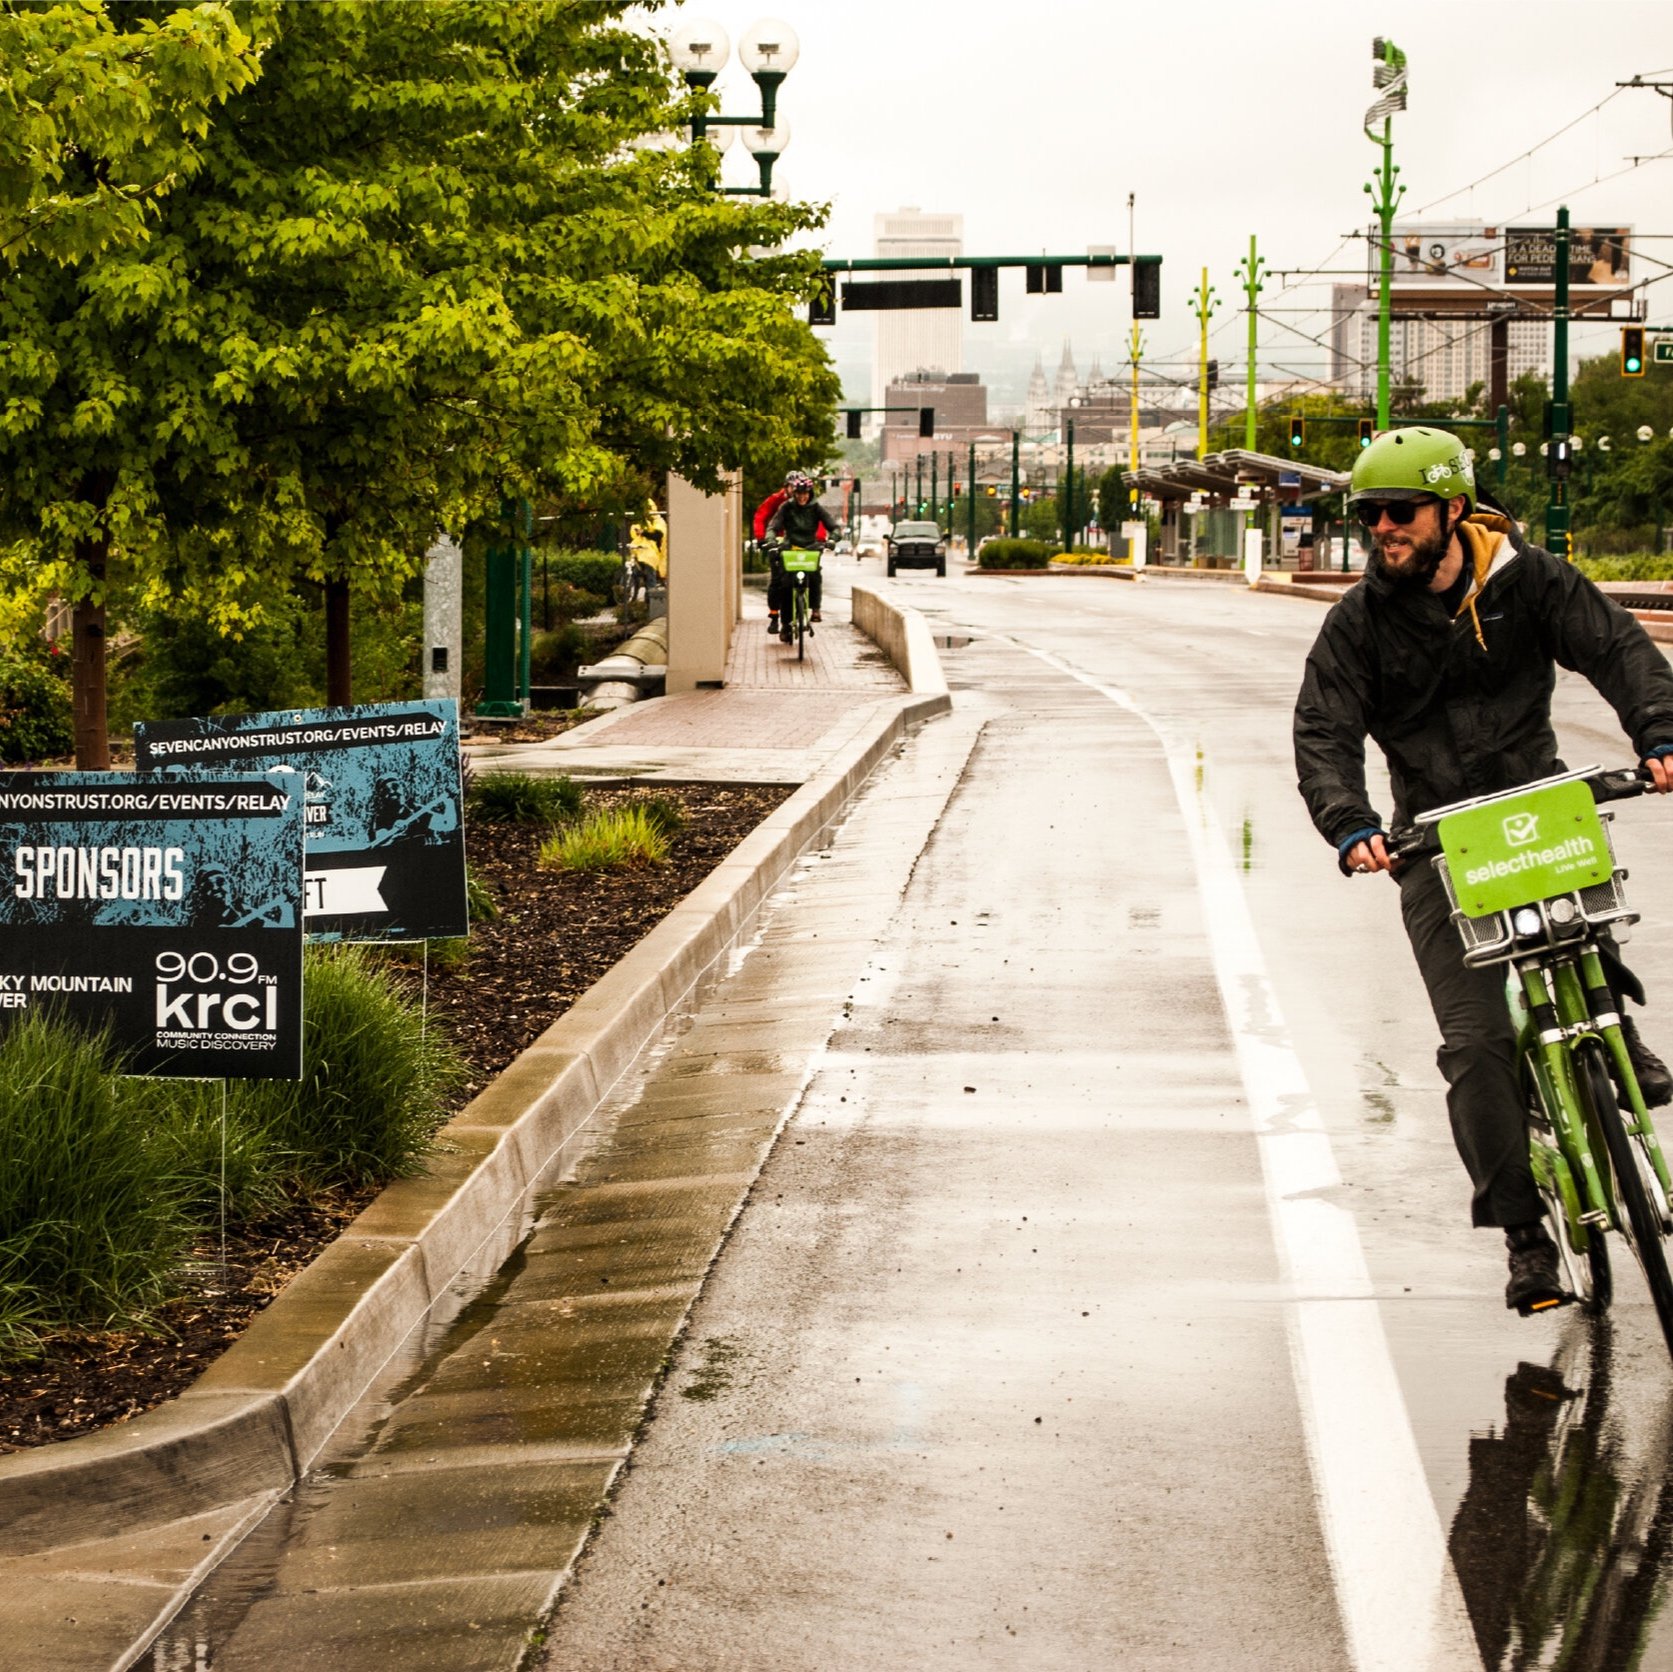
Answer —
(904, 637)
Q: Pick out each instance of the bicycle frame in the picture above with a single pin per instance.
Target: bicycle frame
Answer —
(1559, 1003)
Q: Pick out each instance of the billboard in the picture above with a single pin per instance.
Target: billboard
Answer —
(1596, 256)
(1455, 254)
(385, 853)
(170, 911)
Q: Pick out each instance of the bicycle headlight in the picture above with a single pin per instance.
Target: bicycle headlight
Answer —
(1526, 921)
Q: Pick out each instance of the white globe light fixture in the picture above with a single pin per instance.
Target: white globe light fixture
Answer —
(1518, 449)
(1645, 433)
(1603, 444)
(699, 48)
(769, 50)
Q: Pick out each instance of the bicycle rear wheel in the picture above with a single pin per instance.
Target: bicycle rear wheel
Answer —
(1644, 1225)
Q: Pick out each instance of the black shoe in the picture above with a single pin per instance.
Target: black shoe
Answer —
(1654, 1079)
(772, 624)
(1535, 1283)
(784, 637)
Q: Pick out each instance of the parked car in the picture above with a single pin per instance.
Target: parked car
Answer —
(916, 545)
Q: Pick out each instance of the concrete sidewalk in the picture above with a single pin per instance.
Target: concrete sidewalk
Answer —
(775, 721)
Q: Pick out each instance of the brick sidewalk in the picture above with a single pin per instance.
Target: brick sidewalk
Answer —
(775, 720)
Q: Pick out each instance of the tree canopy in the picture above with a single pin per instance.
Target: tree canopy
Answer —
(426, 264)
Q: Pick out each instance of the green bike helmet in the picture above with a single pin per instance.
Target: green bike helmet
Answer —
(1414, 463)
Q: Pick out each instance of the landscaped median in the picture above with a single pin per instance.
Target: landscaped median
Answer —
(261, 1414)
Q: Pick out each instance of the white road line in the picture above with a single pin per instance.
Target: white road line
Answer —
(1401, 1605)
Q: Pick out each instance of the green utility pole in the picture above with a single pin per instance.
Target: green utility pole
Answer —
(1203, 305)
(1389, 77)
(505, 560)
(1559, 452)
(934, 490)
(970, 507)
(1250, 267)
(1016, 477)
(918, 496)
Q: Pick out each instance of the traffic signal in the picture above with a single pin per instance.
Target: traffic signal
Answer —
(926, 422)
(853, 423)
(1298, 431)
(1366, 430)
(1632, 351)
(1213, 375)
(1044, 278)
(984, 293)
(1147, 290)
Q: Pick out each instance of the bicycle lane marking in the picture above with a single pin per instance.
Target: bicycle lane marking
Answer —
(1402, 1607)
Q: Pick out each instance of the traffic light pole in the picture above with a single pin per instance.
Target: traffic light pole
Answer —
(1558, 456)
(970, 507)
(1137, 353)
(1016, 477)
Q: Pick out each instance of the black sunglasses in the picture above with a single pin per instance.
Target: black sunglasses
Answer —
(1400, 512)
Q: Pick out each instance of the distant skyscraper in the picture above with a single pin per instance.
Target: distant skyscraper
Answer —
(917, 339)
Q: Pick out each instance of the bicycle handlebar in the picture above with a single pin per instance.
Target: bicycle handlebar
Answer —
(1407, 841)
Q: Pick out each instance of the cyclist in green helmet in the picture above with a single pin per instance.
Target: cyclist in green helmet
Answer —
(1445, 655)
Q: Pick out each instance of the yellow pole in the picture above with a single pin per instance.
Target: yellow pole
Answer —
(1133, 443)
(1203, 307)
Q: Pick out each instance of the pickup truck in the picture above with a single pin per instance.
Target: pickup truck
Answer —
(916, 545)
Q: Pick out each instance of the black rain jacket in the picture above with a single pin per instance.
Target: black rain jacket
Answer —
(1453, 719)
(801, 526)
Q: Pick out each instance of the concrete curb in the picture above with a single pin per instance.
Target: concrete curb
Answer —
(903, 636)
(259, 1416)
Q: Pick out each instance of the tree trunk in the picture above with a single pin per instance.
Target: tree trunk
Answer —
(87, 662)
(338, 693)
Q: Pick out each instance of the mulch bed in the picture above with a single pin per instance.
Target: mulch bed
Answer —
(557, 934)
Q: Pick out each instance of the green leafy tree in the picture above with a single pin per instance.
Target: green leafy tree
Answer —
(105, 111)
(424, 271)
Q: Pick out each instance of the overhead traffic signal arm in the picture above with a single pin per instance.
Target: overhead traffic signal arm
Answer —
(926, 418)
(1044, 275)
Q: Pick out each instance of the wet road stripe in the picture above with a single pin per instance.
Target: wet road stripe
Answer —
(1401, 1605)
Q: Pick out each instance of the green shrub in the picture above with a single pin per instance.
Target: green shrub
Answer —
(1088, 554)
(666, 813)
(520, 798)
(1640, 567)
(185, 1119)
(35, 719)
(592, 574)
(480, 904)
(612, 839)
(374, 1078)
(92, 1217)
(554, 656)
(1017, 554)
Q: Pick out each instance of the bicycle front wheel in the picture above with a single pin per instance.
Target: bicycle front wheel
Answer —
(1645, 1222)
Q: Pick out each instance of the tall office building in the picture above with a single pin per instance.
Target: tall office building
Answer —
(917, 339)
(1445, 355)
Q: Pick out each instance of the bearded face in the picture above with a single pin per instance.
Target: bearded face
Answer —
(1409, 556)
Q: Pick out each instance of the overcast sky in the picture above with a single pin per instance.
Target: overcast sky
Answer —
(1034, 119)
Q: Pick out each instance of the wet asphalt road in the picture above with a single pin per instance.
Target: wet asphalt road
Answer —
(1111, 1299)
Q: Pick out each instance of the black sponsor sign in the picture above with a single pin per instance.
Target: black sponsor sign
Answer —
(385, 854)
(171, 911)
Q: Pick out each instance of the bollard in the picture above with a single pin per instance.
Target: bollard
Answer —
(1252, 555)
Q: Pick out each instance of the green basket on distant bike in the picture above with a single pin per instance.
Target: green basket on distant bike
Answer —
(796, 562)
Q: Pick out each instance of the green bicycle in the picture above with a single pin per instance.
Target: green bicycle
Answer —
(798, 565)
(1531, 878)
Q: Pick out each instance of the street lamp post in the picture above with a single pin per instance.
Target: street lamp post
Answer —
(769, 49)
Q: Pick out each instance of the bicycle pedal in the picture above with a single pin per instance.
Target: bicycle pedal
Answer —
(1549, 1303)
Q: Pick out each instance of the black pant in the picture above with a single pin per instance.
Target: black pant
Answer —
(1478, 1051)
(1477, 1056)
(779, 585)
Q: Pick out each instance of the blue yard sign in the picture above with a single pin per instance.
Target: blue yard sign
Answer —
(385, 853)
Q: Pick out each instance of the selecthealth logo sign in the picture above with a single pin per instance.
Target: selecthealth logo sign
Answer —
(1527, 846)
(1577, 850)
